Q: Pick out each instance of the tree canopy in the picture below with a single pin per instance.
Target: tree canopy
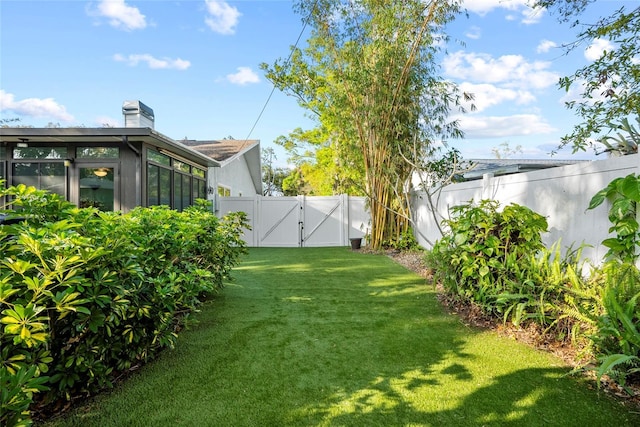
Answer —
(369, 75)
(611, 84)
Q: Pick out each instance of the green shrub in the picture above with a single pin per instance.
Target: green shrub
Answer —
(85, 294)
(617, 340)
(497, 260)
(624, 194)
(405, 242)
(482, 257)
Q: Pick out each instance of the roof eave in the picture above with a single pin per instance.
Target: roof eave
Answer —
(77, 135)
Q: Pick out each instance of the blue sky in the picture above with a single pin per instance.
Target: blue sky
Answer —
(196, 63)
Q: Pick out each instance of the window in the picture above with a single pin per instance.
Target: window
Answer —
(199, 188)
(224, 191)
(158, 186)
(49, 176)
(161, 159)
(181, 191)
(39, 153)
(98, 153)
(199, 183)
(173, 182)
(43, 168)
(3, 159)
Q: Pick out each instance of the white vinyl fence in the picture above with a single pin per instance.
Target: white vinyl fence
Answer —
(561, 194)
(300, 221)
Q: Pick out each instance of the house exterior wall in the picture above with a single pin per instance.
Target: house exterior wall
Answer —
(235, 175)
(561, 194)
(128, 185)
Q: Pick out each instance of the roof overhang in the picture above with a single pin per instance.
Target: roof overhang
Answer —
(104, 135)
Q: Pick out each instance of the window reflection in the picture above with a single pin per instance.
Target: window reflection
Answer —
(42, 175)
(97, 188)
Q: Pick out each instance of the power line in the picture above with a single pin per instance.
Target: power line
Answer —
(273, 89)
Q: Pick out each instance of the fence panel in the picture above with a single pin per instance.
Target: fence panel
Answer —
(561, 194)
(300, 221)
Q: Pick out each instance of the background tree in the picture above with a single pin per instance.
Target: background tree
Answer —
(268, 156)
(611, 84)
(272, 177)
(369, 76)
(504, 151)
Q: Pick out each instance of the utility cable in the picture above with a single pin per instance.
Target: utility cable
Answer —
(273, 89)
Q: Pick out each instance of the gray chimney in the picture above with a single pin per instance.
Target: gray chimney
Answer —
(137, 115)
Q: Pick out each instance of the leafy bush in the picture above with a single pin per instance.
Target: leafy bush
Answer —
(498, 261)
(481, 258)
(86, 294)
(624, 194)
(617, 340)
(404, 242)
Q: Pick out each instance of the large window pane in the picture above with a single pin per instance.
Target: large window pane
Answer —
(199, 189)
(52, 177)
(186, 191)
(165, 187)
(153, 185)
(97, 188)
(27, 174)
(43, 176)
(177, 192)
(3, 159)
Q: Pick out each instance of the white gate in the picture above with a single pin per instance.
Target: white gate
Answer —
(300, 221)
(279, 222)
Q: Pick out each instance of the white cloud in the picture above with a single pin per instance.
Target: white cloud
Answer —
(34, 107)
(528, 15)
(545, 46)
(245, 75)
(532, 15)
(222, 17)
(121, 15)
(508, 70)
(487, 95)
(474, 33)
(153, 63)
(482, 7)
(595, 50)
(503, 126)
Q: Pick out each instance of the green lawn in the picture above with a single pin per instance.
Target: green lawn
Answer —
(332, 337)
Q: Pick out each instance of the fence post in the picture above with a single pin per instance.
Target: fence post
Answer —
(487, 186)
(346, 219)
